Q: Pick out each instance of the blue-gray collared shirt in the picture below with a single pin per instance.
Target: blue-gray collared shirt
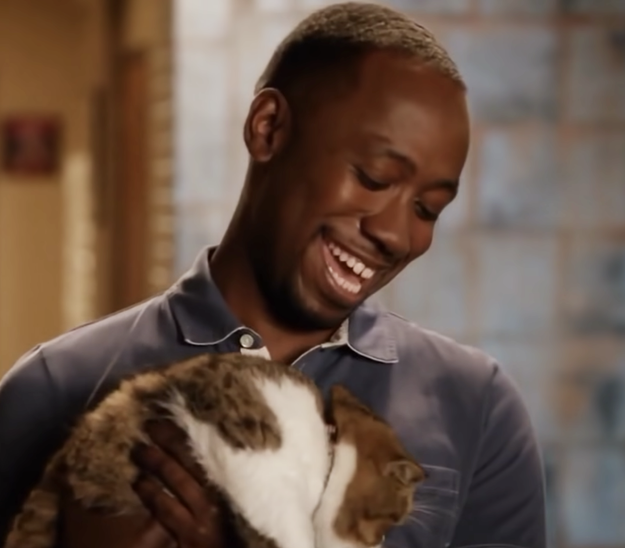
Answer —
(453, 407)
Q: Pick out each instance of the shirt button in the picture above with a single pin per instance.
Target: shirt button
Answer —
(246, 340)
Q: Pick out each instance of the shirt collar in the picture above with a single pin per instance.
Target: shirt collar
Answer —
(204, 319)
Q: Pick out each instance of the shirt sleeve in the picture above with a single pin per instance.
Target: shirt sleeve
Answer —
(505, 504)
(29, 422)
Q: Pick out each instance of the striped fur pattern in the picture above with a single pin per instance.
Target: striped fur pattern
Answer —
(258, 430)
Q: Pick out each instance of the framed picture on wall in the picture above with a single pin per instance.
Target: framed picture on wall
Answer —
(31, 145)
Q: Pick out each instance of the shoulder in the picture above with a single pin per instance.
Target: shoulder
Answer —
(464, 374)
(41, 395)
(28, 408)
(67, 367)
(29, 376)
(438, 355)
(104, 336)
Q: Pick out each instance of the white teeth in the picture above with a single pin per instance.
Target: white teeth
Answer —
(351, 287)
(351, 262)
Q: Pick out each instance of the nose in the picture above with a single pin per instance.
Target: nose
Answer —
(389, 229)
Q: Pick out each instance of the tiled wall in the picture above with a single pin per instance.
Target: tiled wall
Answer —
(529, 263)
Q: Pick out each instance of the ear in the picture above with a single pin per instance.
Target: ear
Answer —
(267, 125)
(405, 471)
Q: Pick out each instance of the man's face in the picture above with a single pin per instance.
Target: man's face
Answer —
(355, 196)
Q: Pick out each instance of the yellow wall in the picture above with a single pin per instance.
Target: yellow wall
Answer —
(39, 73)
(53, 257)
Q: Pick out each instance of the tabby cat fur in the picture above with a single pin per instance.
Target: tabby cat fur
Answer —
(259, 431)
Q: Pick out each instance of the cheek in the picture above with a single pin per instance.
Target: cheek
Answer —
(421, 239)
(337, 192)
(420, 242)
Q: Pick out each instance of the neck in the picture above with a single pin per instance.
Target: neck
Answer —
(234, 277)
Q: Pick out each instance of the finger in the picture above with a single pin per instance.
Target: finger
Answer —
(175, 519)
(177, 480)
(156, 536)
(171, 516)
(173, 440)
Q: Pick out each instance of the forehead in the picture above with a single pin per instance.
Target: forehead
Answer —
(399, 102)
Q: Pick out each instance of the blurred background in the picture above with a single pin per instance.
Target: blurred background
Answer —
(122, 155)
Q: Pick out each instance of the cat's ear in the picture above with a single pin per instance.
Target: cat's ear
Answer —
(344, 409)
(341, 399)
(405, 471)
(340, 394)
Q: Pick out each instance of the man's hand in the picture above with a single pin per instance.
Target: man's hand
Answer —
(83, 528)
(190, 517)
(191, 511)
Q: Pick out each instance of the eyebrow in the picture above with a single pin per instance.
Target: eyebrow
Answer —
(387, 150)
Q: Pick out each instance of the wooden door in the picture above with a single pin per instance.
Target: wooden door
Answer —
(131, 197)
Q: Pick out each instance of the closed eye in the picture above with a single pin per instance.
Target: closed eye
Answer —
(368, 182)
(425, 213)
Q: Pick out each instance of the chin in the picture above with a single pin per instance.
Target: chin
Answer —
(308, 310)
(315, 317)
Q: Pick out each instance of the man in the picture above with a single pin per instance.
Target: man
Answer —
(357, 137)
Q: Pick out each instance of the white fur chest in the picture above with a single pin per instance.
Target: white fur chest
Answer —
(276, 491)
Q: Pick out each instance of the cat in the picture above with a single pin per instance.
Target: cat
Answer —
(259, 430)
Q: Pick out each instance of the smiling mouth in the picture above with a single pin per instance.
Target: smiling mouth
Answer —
(347, 272)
